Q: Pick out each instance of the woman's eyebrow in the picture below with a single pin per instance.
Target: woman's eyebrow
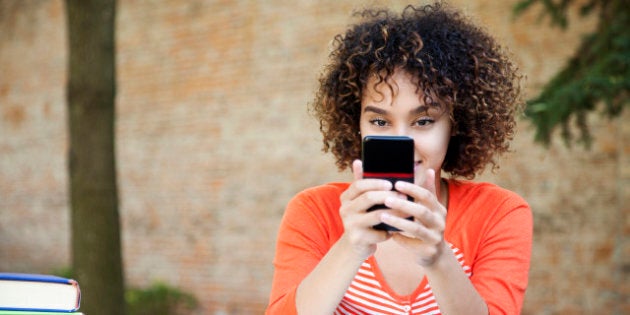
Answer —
(374, 109)
(422, 109)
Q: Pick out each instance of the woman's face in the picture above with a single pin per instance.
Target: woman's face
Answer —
(405, 114)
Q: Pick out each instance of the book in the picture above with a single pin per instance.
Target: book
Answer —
(37, 292)
(38, 313)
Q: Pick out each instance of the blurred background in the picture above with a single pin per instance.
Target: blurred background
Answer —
(213, 139)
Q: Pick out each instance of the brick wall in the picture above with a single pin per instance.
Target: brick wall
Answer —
(214, 138)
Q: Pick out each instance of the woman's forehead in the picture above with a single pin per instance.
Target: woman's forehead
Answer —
(382, 86)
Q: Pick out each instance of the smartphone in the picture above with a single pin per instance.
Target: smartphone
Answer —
(390, 158)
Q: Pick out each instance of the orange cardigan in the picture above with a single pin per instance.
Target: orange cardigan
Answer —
(490, 225)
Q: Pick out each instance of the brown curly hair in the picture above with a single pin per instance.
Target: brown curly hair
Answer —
(456, 64)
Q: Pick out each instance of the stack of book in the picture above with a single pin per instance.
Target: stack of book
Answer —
(36, 294)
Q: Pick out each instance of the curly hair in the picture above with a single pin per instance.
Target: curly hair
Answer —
(456, 65)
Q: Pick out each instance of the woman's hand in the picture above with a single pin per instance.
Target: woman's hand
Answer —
(335, 271)
(357, 221)
(425, 234)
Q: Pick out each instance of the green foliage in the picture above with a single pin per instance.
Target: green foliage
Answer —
(65, 272)
(557, 10)
(598, 73)
(159, 299)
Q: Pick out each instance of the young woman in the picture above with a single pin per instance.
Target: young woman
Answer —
(431, 75)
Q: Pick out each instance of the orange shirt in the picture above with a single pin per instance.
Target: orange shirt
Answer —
(488, 228)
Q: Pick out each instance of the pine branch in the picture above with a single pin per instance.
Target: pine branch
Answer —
(596, 78)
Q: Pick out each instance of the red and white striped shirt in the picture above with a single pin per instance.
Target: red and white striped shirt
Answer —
(369, 293)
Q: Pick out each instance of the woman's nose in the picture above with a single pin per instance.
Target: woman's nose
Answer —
(401, 131)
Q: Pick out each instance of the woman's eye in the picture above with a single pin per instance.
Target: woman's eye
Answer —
(378, 122)
(424, 121)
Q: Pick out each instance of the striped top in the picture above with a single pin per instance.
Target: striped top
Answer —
(369, 293)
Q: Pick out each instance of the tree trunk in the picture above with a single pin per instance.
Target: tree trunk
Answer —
(96, 248)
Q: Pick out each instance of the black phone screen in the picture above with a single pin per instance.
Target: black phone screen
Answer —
(390, 158)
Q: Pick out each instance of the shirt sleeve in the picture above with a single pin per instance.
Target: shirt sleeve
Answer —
(304, 237)
(500, 271)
